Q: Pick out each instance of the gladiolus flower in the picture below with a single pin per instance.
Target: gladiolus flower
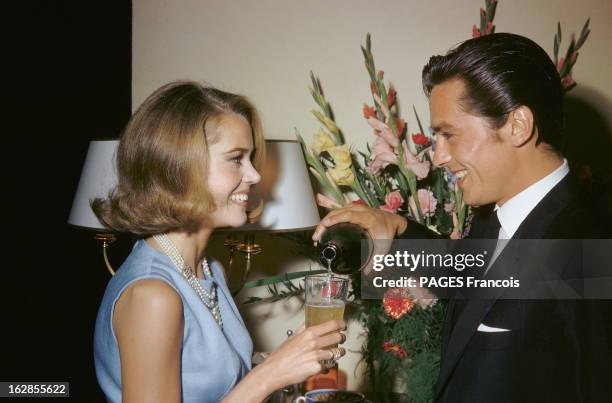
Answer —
(326, 202)
(573, 57)
(322, 142)
(341, 156)
(342, 176)
(475, 32)
(382, 155)
(418, 167)
(382, 130)
(359, 202)
(368, 111)
(391, 96)
(560, 64)
(401, 125)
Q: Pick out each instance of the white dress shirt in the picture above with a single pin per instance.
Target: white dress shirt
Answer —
(513, 212)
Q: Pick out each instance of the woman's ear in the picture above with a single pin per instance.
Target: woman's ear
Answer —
(522, 126)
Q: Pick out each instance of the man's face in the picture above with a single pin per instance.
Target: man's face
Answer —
(467, 146)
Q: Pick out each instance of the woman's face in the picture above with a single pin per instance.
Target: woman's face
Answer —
(230, 172)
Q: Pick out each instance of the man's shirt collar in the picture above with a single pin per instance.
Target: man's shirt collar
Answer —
(513, 212)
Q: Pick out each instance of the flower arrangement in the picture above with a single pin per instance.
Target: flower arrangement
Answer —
(396, 174)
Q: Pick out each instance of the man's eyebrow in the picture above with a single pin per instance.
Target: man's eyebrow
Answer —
(442, 126)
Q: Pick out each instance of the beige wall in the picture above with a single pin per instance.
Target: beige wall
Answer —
(265, 49)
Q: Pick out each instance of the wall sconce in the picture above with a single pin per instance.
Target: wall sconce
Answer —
(98, 177)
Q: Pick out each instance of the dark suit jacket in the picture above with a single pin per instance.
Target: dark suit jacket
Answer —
(555, 351)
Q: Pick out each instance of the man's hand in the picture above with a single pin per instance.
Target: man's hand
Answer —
(379, 223)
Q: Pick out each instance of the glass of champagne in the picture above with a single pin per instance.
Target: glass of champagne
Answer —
(325, 300)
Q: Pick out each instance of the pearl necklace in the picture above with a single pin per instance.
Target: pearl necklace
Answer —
(209, 300)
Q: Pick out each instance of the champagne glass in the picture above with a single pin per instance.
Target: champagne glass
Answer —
(325, 300)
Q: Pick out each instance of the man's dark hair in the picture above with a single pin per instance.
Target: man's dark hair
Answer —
(502, 72)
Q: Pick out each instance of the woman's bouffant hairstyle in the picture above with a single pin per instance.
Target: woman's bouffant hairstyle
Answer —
(162, 160)
(502, 72)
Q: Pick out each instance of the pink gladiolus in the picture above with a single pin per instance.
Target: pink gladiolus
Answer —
(382, 130)
(382, 155)
(326, 202)
(560, 64)
(427, 201)
(475, 32)
(419, 167)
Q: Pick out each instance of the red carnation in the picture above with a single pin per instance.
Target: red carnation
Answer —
(420, 139)
(396, 349)
(397, 302)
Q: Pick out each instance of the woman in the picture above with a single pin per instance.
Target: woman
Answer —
(167, 329)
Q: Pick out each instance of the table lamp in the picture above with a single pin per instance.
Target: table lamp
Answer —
(98, 177)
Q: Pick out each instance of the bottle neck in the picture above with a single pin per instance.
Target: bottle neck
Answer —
(329, 253)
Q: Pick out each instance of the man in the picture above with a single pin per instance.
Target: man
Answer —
(496, 112)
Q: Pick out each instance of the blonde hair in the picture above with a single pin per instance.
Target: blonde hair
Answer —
(162, 160)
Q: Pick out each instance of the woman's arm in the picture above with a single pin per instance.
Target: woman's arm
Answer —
(148, 323)
(295, 360)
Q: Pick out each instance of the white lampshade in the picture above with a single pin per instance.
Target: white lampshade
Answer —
(285, 190)
(98, 177)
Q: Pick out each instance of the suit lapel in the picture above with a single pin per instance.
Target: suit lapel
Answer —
(535, 226)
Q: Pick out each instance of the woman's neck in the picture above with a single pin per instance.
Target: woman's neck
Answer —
(191, 246)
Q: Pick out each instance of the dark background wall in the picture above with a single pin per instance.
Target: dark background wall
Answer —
(69, 81)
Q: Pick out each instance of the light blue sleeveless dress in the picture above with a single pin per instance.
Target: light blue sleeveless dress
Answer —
(212, 361)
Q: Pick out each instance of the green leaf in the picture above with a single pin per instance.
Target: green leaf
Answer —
(584, 34)
(418, 120)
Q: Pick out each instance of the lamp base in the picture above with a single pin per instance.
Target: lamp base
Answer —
(107, 239)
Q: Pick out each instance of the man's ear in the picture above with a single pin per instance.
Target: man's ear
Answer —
(521, 125)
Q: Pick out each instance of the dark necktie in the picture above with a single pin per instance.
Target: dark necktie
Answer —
(489, 233)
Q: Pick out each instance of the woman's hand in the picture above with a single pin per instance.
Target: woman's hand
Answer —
(379, 223)
(295, 360)
(300, 355)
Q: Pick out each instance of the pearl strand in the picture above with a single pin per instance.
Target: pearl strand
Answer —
(209, 300)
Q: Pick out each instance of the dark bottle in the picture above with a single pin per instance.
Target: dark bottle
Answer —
(341, 248)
